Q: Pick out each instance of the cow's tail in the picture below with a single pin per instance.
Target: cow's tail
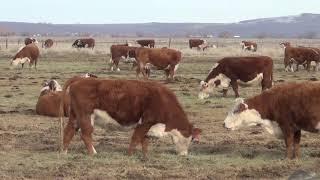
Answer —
(176, 67)
(61, 116)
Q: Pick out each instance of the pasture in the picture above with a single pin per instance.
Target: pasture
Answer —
(29, 143)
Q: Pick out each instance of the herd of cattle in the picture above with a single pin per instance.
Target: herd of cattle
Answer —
(154, 111)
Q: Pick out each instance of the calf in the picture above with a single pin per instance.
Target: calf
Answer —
(48, 43)
(233, 70)
(149, 107)
(160, 58)
(282, 111)
(248, 45)
(29, 53)
(84, 43)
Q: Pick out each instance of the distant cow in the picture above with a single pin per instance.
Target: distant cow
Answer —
(230, 71)
(84, 43)
(30, 40)
(48, 43)
(148, 107)
(196, 43)
(50, 97)
(300, 56)
(120, 51)
(158, 58)
(146, 43)
(29, 53)
(282, 111)
(248, 45)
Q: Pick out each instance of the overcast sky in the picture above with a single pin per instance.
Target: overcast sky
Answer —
(140, 11)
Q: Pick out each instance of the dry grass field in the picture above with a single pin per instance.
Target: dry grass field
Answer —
(29, 143)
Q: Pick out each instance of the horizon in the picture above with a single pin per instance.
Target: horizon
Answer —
(144, 11)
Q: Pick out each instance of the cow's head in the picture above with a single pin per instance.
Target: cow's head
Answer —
(50, 85)
(288, 64)
(87, 75)
(34, 40)
(240, 116)
(206, 88)
(285, 44)
(195, 135)
(17, 61)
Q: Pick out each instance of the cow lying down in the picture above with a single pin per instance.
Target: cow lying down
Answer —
(231, 71)
(282, 111)
(50, 97)
(150, 108)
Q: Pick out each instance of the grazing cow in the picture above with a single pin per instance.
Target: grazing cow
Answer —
(160, 58)
(248, 45)
(49, 100)
(300, 56)
(84, 43)
(29, 53)
(196, 43)
(233, 70)
(146, 43)
(283, 111)
(30, 40)
(48, 43)
(120, 51)
(150, 107)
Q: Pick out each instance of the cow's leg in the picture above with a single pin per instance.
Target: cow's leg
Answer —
(289, 140)
(69, 132)
(139, 136)
(234, 85)
(22, 65)
(308, 66)
(137, 71)
(143, 70)
(86, 133)
(297, 136)
(297, 67)
(35, 64)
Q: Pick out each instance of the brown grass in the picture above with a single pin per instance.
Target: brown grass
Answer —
(28, 145)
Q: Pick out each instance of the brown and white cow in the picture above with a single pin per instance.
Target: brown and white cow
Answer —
(84, 43)
(282, 111)
(249, 45)
(29, 53)
(118, 52)
(150, 107)
(30, 40)
(48, 43)
(230, 71)
(146, 43)
(157, 58)
(197, 43)
(300, 56)
(51, 96)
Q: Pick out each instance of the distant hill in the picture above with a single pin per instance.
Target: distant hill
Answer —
(304, 25)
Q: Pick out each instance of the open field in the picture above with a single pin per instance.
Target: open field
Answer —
(29, 143)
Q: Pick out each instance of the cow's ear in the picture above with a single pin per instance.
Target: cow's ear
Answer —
(241, 107)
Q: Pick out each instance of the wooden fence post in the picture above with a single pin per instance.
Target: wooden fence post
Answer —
(6, 43)
(169, 42)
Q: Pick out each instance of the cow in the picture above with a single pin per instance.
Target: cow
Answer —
(230, 71)
(248, 45)
(151, 108)
(120, 51)
(196, 43)
(30, 40)
(29, 53)
(159, 58)
(48, 43)
(51, 96)
(146, 43)
(282, 111)
(300, 56)
(84, 43)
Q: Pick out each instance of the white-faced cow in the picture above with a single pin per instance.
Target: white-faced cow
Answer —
(30, 40)
(306, 56)
(198, 43)
(157, 58)
(233, 70)
(28, 54)
(282, 111)
(150, 107)
(248, 45)
(48, 43)
(118, 52)
(146, 43)
(84, 43)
